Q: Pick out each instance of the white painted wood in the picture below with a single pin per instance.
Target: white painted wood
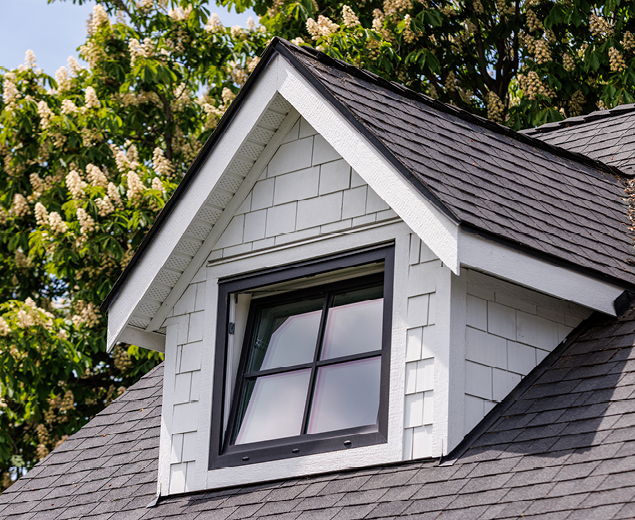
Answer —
(356, 457)
(184, 213)
(221, 225)
(500, 261)
(433, 227)
(167, 402)
(141, 338)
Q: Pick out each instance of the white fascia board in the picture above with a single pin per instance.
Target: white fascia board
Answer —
(540, 275)
(436, 230)
(193, 198)
(142, 338)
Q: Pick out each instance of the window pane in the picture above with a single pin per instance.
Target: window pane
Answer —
(275, 407)
(346, 396)
(287, 335)
(354, 323)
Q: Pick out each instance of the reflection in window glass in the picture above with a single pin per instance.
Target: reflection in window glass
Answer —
(354, 323)
(287, 335)
(275, 409)
(346, 396)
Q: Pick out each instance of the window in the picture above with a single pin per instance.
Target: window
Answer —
(314, 362)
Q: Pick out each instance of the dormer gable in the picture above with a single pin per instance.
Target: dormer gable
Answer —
(303, 206)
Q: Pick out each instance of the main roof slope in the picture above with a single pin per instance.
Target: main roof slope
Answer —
(561, 446)
(488, 177)
(606, 135)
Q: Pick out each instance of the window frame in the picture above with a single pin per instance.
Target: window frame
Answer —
(224, 455)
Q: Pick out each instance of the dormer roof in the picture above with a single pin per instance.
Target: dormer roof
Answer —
(481, 177)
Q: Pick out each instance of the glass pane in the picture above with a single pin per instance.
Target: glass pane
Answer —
(274, 407)
(354, 323)
(287, 335)
(346, 396)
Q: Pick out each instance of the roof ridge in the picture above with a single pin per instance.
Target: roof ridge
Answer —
(580, 120)
(461, 113)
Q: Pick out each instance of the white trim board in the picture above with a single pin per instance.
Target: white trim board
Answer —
(522, 269)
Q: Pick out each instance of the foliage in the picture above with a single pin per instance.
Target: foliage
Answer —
(87, 160)
(89, 157)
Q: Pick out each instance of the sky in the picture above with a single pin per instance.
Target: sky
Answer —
(54, 31)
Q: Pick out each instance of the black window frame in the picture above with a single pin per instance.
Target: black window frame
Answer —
(224, 455)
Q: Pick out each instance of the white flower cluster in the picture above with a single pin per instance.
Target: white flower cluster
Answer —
(10, 92)
(324, 27)
(616, 60)
(58, 226)
(157, 184)
(41, 215)
(4, 328)
(92, 53)
(99, 18)
(576, 105)
(73, 65)
(251, 65)
(62, 79)
(179, 14)
(349, 16)
(140, 50)
(113, 194)
(20, 206)
(251, 24)
(628, 42)
(237, 72)
(161, 165)
(495, 107)
(145, 4)
(542, 53)
(568, 62)
(214, 24)
(532, 87)
(396, 6)
(86, 222)
(75, 185)
(238, 33)
(135, 186)
(297, 41)
(378, 20)
(600, 27)
(29, 60)
(104, 206)
(408, 34)
(533, 22)
(68, 107)
(90, 98)
(45, 113)
(87, 314)
(95, 176)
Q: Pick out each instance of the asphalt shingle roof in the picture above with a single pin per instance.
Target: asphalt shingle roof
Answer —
(486, 176)
(561, 446)
(607, 135)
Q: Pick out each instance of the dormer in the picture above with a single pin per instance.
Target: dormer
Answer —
(352, 274)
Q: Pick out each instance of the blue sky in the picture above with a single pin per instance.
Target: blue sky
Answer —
(54, 31)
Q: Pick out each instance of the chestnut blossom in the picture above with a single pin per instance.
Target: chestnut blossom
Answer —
(75, 185)
(161, 165)
(68, 107)
(86, 222)
(45, 113)
(20, 206)
(349, 16)
(41, 215)
(95, 176)
(29, 60)
(104, 206)
(62, 79)
(135, 186)
(56, 223)
(113, 193)
(214, 24)
(90, 98)
(4, 328)
(99, 18)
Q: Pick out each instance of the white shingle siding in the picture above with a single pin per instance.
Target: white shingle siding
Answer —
(419, 407)
(510, 329)
(307, 190)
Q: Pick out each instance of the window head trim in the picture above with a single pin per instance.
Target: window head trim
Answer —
(221, 453)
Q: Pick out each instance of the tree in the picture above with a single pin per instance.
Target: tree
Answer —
(89, 157)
